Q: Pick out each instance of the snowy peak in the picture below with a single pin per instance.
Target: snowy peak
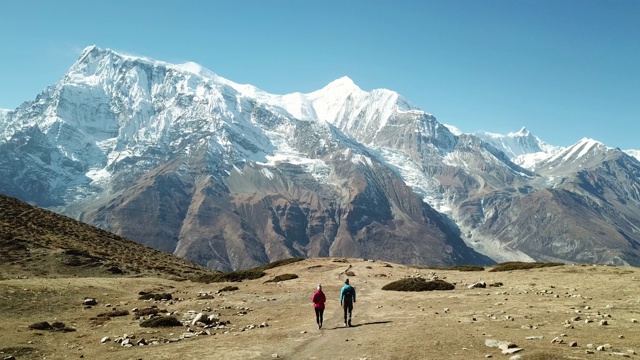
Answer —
(343, 86)
(516, 144)
(95, 61)
(585, 153)
(522, 133)
(581, 149)
(354, 111)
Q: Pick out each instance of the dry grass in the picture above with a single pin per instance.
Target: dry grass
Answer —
(544, 356)
(450, 324)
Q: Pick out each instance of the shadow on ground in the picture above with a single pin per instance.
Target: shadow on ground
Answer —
(358, 325)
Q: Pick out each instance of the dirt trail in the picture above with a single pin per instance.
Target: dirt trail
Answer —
(334, 340)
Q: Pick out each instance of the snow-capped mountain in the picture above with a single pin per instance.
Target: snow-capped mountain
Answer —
(231, 177)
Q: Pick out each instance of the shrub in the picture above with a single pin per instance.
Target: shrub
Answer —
(229, 288)
(161, 321)
(467, 268)
(56, 326)
(116, 313)
(103, 317)
(281, 263)
(17, 351)
(114, 270)
(40, 326)
(233, 276)
(418, 284)
(156, 297)
(517, 265)
(60, 326)
(240, 275)
(148, 311)
(282, 277)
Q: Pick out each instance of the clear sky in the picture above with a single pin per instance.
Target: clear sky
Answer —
(565, 69)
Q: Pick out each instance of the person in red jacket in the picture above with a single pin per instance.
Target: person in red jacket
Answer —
(319, 299)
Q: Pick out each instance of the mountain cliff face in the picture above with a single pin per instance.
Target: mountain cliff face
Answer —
(229, 176)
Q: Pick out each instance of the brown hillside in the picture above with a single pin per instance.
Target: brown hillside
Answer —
(38, 242)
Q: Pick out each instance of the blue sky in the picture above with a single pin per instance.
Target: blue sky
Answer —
(565, 69)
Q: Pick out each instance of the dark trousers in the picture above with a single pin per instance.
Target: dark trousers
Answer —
(319, 314)
(348, 309)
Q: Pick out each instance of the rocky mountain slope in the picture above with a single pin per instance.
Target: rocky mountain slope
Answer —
(229, 176)
(38, 242)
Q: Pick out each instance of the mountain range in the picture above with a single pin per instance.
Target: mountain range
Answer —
(231, 177)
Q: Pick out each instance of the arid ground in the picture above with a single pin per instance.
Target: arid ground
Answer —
(592, 312)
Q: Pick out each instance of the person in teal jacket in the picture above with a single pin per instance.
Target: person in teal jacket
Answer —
(347, 298)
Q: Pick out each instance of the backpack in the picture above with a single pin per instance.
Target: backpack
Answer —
(347, 294)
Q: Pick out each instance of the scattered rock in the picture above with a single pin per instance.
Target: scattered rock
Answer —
(89, 302)
(479, 284)
(507, 347)
(105, 339)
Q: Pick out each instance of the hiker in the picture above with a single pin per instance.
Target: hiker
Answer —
(319, 299)
(347, 298)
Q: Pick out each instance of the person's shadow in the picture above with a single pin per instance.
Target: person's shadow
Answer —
(362, 324)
